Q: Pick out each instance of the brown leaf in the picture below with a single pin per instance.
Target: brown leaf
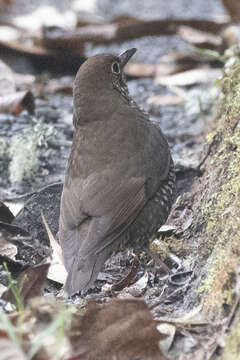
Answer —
(56, 38)
(6, 79)
(140, 70)
(190, 77)
(233, 8)
(200, 38)
(122, 329)
(163, 100)
(147, 70)
(42, 58)
(32, 286)
(14, 103)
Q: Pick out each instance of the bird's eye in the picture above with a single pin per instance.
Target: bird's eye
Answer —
(115, 68)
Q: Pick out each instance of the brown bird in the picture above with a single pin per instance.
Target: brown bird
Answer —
(120, 177)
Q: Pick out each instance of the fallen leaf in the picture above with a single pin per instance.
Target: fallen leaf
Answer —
(169, 330)
(167, 68)
(200, 38)
(140, 286)
(43, 59)
(122, 329)
(167, 229)
(187, 223)
(233, 8)
(45, 15)
(114, 32)
(15, 102)
(35, 276)
(10, 81)
(163, 100)
(126, 281)
(140, 70)
(54, 244)
(57, 271)
(6, 79)
(188, 59)
(147, 70)
(9, 32)
(190, 77)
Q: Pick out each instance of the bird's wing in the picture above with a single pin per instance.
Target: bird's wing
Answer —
(72, 218)
(116, 210)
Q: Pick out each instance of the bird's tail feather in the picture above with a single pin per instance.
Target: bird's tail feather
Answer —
(81, 277)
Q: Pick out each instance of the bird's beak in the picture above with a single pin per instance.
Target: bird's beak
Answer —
(126, 56)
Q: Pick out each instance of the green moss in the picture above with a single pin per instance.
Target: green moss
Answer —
(210, 136)
(221, 212)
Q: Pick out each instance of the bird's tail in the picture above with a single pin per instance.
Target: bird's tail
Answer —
(84, 272)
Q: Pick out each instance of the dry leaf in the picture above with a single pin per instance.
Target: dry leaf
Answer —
(14, 103)
(166, 229)
(199, 38)
(122, 329)
(233, 8)
(128, 279)
(56, 38)
(32, 285)
(45, 15)
(169, 330)
(57, 271)
(10, 81)
(140, 286)
(163, 100)
(140, 70)
(146, 70)
(190, 77)
(166, 68)
(190, 60)
(43, 59)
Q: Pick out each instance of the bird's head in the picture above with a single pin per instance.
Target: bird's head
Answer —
(100, 81)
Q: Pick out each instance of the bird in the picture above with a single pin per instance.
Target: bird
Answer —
(120, 180)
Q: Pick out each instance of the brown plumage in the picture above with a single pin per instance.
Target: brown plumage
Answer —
(120, 178)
